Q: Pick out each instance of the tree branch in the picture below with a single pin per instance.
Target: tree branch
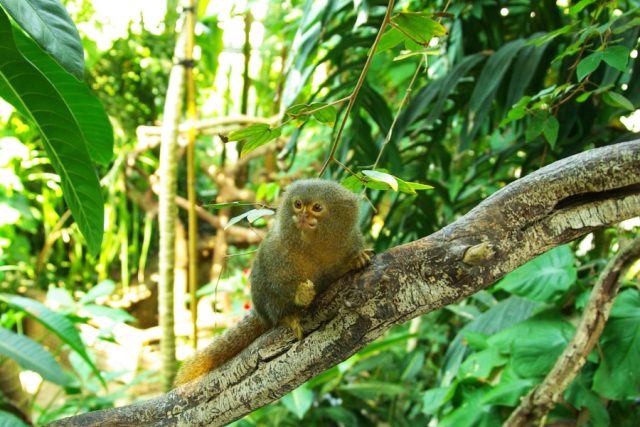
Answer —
(542, 398)
(549, 207)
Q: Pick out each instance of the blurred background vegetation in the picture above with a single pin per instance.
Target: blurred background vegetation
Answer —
(513, 86)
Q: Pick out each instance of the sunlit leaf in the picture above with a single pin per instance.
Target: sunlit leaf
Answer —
(252, 131)
(254, 214)
(260, 140)
(32, 93)
(102, 289)
(49, 24)
(578, 7)
(390, 39)
(418, 26)
(383, 177)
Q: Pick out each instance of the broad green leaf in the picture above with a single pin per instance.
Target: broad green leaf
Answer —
(54, 322)
(32, 356)
(580, 395)
(419, 27)
(499, 317)
(9, 420)
(616, 100)
(326, 115)
(618, 374)
(432, 400)
(87, 110)
(550, 131)
(390, 39)
(32, 93)
(252, 131)
(507, 393)
(543, 279)
(352, 183)
(537, 343)
(383, 177)
(299, 401)
(49, 24)
(518, 111)
(616, 57)
(588, 65)
(480, 365)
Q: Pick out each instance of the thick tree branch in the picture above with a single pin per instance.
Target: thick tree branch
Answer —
(542, 398)
(554, 205)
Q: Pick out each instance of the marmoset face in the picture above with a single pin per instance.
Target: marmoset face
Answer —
(308, 214)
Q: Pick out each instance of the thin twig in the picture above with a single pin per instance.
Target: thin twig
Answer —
(356, 90)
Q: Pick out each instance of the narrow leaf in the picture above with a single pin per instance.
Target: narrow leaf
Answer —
(616, 100)
(254, 214)
(49, 24)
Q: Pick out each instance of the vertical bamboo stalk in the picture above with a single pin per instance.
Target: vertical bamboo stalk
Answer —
(191, 172)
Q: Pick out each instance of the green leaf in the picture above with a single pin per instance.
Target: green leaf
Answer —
(543, 279)
(618, 375)
(383, 177)
(390, 39)
(419, 27)
(535, 125)
(507, 393)
(49, 24)
(373, 389)
(550, 131)
(32, 356)
(87, 110)
(616, 57)
(299, 401)
(9, 420)
(616, 100)
(114, 314)
(55, 322)
(535, 344)
(588, 65)
(480, 365)
(259, 140)
(252, 131)
(102, 289)
(352, 183)
(432, 400)
(251, 216)
(578, 7)
(32, 93)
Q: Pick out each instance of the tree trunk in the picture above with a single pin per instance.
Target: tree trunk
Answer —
(552, 206)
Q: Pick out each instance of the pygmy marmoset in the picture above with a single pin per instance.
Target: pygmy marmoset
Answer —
(314, 241)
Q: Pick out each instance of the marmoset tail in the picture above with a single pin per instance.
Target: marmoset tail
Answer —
(314, 241)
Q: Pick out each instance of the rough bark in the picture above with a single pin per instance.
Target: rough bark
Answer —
(552, 206)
